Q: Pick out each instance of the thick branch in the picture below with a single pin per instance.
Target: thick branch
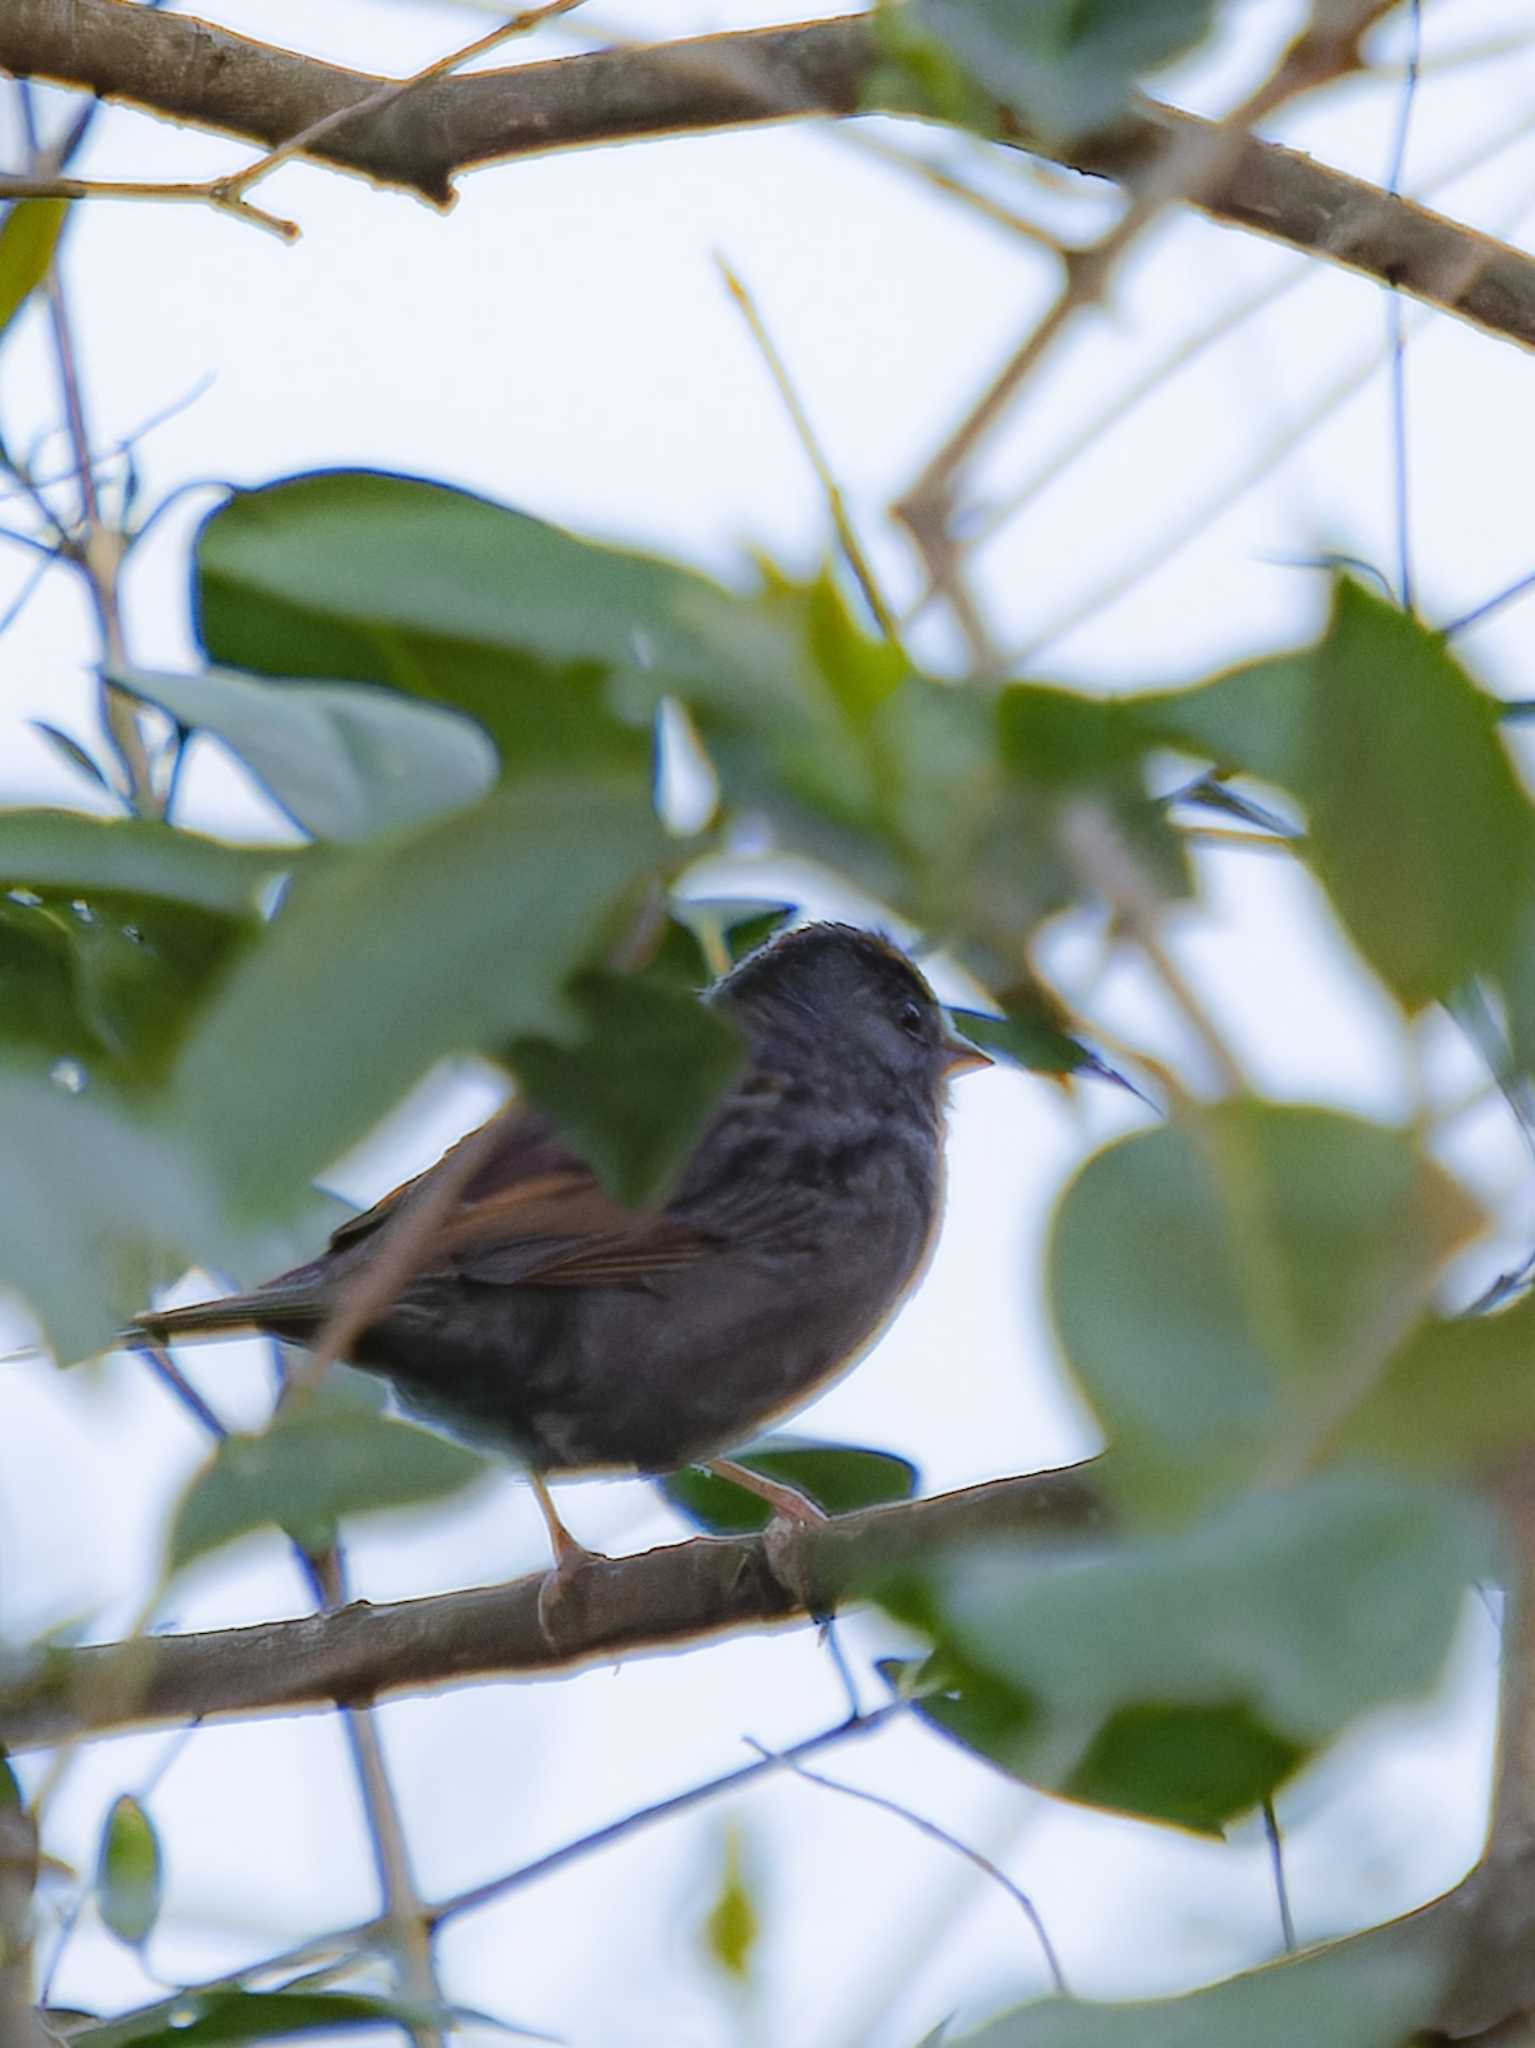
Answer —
(188, 69)
(664, 1599)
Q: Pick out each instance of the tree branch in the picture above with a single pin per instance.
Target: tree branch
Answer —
(663, 1599)
(192, 71)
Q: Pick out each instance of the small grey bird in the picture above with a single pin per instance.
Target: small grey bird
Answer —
(545, 1319)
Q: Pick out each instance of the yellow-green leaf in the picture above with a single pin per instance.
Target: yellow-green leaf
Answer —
(29, 235)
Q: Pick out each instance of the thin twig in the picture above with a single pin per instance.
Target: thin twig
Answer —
(367, 1932)
(398, 1248)
(95, 549)
(232, 189)
(1190, 163)
(403, 1927)
(934, 1833)
(401, 1921)
(836, 504)
(1479, 613)
(199, 194)
(1093, 845)
(1275, 1843)
(1401, 496)
(952, 186)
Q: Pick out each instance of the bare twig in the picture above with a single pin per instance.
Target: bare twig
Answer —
(1275, 1841)
(190, 70)
(1401, 495)
(836, 504)
(934, 1833)
(399, 1247)
(1096, 850)
(95, 548)
(366, 1933)
(1190, 165)
(233, 188)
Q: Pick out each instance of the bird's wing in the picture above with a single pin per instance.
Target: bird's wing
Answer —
(532, 1213)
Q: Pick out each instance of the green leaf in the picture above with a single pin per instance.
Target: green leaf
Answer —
(1369, 1992)
(29, 235)
(346, 762)
(111, 936)
(70, 751)
(457, 936)
(1417, 824)
(731, 1927)
(358, 576)
(107, 985)
(326, 1456)
(1065, 67)
(1226, 1286)
(61, 850)
(1035, 1042)
(636, 1089)
(129, 1874)
(95, 1206)
(1457, 1393)
(1182, 1677)
(1061, 750)
(727, 928)
(838, 1478)
(219, 2019)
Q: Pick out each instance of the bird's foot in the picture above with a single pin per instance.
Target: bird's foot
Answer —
(795, 1516)
(570, 1559)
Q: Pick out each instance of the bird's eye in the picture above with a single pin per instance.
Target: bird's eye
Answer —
(911, 1020)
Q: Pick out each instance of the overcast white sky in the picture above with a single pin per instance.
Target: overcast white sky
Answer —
(562, 341)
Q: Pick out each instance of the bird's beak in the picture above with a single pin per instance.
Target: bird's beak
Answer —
(961, 1056)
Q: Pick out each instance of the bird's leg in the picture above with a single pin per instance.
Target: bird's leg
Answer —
(787, 1502)
(794, 1516)
(569, 1555)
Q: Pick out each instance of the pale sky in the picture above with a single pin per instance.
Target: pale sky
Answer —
(562, 341)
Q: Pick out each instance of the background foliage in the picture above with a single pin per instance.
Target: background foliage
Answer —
(524, 790)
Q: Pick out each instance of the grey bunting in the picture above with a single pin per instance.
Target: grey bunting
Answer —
(544, 1319)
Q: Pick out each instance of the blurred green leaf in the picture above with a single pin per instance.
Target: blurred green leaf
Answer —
(220, 2019)
(358, 576)
(1225, 1286)
(65, 851)
(1417, 824)
(731, 1926)
(70, 751)
(730, 927)
(1372, 1991)
(92, 1200)
(1065, 67)
(112, 933)
(1182, 1677)
(1192, 1766)
(457, 936)
(1458, 1392)
(1061, 750)
(636, 1089)
(346, 762)
(326, 1456)
(109, 983)
(29, 235)
(1033, 1042)
(129, 1875)
(838, 1478)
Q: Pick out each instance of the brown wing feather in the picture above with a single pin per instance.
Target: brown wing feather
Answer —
(533, 1213)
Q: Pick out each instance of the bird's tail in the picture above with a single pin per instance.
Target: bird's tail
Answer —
(281, 1311)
